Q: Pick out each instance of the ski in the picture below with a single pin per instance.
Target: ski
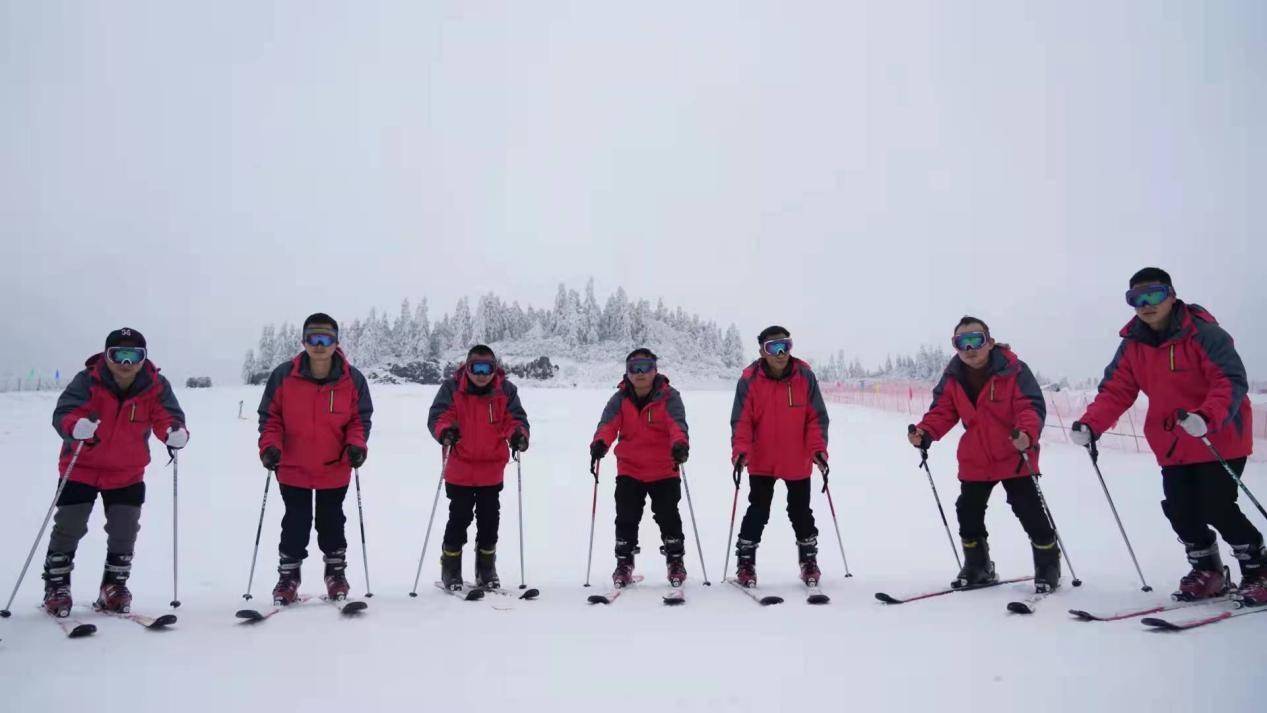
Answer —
(346, 607)
(755, 595)
(528, 594)
(815, 595)
(467, 595)
(1029, 604)
(889, 599)
(1164, 625)
(149, 622)
(74, 628)
(254, 616)
(674, 596)
(1169, 606)
(612, 594)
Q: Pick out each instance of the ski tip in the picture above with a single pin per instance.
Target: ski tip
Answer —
(163, 621)
(597, 599)
(531, 594)
(249, 615)
(474, 595)
(1161, 624)
(768, 600)
(887, 599)
(353, 608)
(674, 601)
(82, 630)
(1082, 615)
(1019, 608)
(818, 599)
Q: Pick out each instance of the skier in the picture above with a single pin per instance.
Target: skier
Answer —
(778, 432)
(314, 424)
(648, 417)
(1179, 356)
(106, 414)
(475, 413)
(993, 392)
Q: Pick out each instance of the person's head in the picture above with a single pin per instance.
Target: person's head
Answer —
(640, 368)
(972, 341)
(776, 347)
(1152, 294)
(481, 365)
(125, 353)
(320, 336)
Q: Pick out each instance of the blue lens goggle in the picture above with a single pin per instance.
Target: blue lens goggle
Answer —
(969, 341)
(481, 368)
(777, 347)
(643, 365)
(126, 355)
(1148, 295)
(319, 339)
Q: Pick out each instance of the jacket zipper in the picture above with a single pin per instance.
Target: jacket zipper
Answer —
(132, 415)
(991, 388)
(789, 393)
(1172, 357)
(331, 400)
(490, 412)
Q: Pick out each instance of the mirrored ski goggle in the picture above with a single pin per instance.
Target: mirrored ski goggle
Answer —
(319, 339)
(1148, 295)
(777, 347)
(126, 355)
(481, 368)
(641, 365)
(969, 341)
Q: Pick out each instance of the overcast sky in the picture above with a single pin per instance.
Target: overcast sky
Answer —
(863, 173)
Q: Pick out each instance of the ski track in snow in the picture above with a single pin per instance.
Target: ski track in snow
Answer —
(717, 652)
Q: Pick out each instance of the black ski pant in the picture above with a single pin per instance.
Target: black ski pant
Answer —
(1201, 495)
(631, 496)
(1022, 495)
(74, 506)
(481, 503)
(298, 520)
(761, 493)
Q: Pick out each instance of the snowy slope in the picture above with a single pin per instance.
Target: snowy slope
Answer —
(718, 652)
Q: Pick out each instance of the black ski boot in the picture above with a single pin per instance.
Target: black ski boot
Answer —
(486, 569)
(746, 569)
(288, 578)
(336, 581)
(674, 551)
(977, 570)
(114, 595)
(1046, 567)
(451, 568)
(807, 552)
(57, 568)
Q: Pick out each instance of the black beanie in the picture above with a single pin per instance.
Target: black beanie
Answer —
(125, 337)
(1151, 275)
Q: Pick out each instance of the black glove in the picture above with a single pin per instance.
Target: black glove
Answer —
(681, 451)
(450, 436)
(271, 457)
(740, 462)
(519, 442)
(925, 440)
(356, 455)
(598, 449)
(820, 460)
(1082, 435)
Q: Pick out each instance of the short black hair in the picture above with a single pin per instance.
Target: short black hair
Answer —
(770, 332)
(480, 350)
(1150, 276)
(641, 352)
(969, 319)
(321, 318)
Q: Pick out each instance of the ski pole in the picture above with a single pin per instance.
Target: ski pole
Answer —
(923, 463)
(589, 559)
(1047, 511)
(698, 545)
(444, 461)
(519, 470)
(1214, 451)
(1094, 453)
(839, 543)
(360, 515)
(259, 529)
(175, 529)
(61, 485)
(734, 505)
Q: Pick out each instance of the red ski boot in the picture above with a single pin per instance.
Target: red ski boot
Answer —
(746, 570)
(336, 583)
(807, 551)
(114, 595)
(623, 575)
(1208, 578)
(1253, 589)
(288, 577)
(57, 567)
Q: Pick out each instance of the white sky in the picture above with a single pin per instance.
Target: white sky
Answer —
(863, 173)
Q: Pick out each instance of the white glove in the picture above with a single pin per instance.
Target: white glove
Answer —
(1081, 434)
(177, 437)
(1194, 425)
(84, 430)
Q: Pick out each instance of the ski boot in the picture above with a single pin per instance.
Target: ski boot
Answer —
(451, 568)
(1208, 578)
(674, 550)
(114, 595)
(57, 599)
(336, 583)
(1253, 589)
(1046, 567)
(978, 570)
(746, 569)
(486, 569)
(623, 575)
(288, 577)
(807, 551)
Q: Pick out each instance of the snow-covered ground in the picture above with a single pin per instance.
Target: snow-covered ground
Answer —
(719, 652)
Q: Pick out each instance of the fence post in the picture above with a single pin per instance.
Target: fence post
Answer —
(1134, 434)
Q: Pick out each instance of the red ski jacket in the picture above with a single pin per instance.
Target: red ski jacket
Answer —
(116, 457)
(1193, 365)
(1010, 399)
(312, 421)
(778, 423)
(486, 418)
(647, 434)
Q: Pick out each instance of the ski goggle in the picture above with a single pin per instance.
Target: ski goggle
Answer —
(481, 368)
(640, 365)
(319, 339)
(969, 341)
(126, 355)
(1148, 295)
(777, 347)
